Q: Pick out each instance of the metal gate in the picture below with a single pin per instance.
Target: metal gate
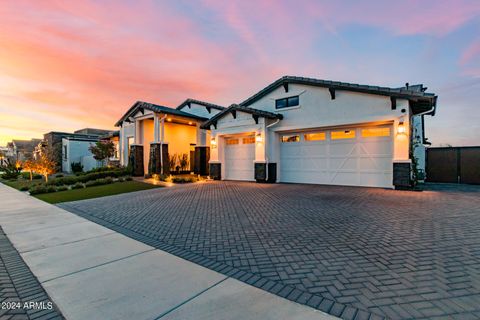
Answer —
(453, 165)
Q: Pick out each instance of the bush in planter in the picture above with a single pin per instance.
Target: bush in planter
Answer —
(78, 185)
(76, 167)
(184, 179)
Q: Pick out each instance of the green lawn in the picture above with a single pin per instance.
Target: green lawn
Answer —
(94, 192)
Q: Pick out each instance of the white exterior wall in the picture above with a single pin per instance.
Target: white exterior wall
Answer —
(126, 131)
(317, 110)
(77, 151)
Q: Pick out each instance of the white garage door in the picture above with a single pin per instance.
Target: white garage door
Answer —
(355, 156)
(239, 157)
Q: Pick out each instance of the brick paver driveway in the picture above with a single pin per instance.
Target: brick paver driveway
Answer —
(345, 250)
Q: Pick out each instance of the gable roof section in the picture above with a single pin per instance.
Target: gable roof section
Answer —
(420, 100)
(140, 105)
(234, 108)
(202, 103)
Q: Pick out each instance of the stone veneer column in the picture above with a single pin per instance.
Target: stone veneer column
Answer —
(264, 175)
(136, 160)
(402, 175)
(216, 171)
(202, 156)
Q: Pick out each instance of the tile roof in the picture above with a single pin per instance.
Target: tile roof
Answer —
(199, 102)
(156, 108)
(421, 100)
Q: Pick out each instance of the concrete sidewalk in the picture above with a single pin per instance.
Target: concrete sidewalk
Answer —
(92, 272)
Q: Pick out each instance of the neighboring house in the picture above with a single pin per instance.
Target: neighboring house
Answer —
(76, 149)
(304, 130)
(21, 150)
(150, 133)
(3, 156)
(54, 141)
(114, 137)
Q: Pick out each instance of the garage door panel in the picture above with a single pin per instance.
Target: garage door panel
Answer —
(354, 160)
(239, 160)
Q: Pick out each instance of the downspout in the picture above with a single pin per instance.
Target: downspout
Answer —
(266, 132)
(161, 142)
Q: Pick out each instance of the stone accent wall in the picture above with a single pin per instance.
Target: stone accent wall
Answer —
(216, 171)
(401, 175)
(261, 172)
(136, 160)
(166, 159)
(154, 164)
(202, 156)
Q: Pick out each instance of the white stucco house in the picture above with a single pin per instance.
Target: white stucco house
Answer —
(295, 130)
(305, 130)
(75, 149)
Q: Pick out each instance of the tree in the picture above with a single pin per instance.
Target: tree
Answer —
(45, 163)
(30, 166)
(102, 150)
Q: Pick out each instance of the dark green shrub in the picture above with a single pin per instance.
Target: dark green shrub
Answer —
(37, 190)
(98, 182)
(24, 188)
(62, 188)
(120, 179)
(128, 178)
(37, 176)
(25, 175)
(76, 167)
(59, 175)
(78, 185)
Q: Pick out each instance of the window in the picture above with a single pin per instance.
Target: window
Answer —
(248, 140)
(65, 155)
(376, 132)
(231, 141)
(315, 136)
(344, 134)
(287, 102)
(291, 138)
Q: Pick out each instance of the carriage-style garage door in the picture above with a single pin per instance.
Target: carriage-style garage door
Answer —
(354, 156)
(239, 157)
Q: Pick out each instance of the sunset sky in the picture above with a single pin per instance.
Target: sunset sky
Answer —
(66, 65)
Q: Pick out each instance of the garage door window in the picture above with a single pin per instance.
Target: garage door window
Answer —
(231, 141)
(291, 138)
(248, 140)
(316, 136)
(344, 134)
(376, 132)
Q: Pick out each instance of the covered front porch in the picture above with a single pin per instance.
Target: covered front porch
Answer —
(159, 140)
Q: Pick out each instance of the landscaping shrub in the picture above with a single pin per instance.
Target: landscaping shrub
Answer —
(76, 167)
(128, 178)
(98, 182)
(62, 188)
(120, 179)
(184, 179)
(78, 185)
(10, 175)
(25, 175)
(41, 189)
(24, 188)
(61, 181)
(59, 175)
(37, 176)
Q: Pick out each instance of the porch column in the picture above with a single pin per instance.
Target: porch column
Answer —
(156, 128)
(264, 170)
(202, 153)
(215, 166)
(138, 132)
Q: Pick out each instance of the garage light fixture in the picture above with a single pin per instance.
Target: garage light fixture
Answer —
(259, 138)
(401, 128)
(169, 119)
(213, 142)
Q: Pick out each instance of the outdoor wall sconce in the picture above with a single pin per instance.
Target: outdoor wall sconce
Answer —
(401, 127)
(259, 138)
(213, 142)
